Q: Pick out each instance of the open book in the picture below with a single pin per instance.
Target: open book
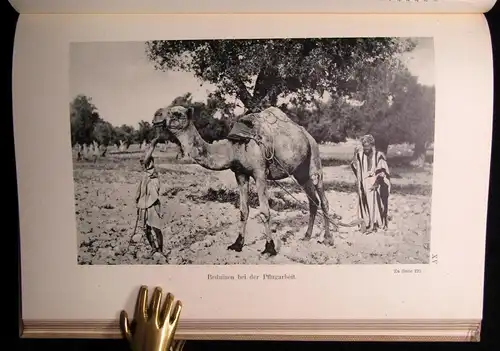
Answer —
(289, 170)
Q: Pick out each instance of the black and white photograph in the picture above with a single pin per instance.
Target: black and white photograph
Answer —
(315, 151)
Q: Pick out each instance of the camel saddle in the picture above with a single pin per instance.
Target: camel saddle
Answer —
(243, 129)
(261, 126)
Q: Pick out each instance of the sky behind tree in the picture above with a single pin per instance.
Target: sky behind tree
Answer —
(126, 88)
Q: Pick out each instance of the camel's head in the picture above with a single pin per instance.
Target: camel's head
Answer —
(172, 119)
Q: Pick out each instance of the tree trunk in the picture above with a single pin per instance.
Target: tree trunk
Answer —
(382, 145)
(265, 92)
(419, 154)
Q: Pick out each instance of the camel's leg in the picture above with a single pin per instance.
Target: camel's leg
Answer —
(325, 207)
(316, 174)
(313, 206)
(243, 183)
(272, 245)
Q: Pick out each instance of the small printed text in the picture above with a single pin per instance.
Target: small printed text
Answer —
(254, 277)
(407, 271)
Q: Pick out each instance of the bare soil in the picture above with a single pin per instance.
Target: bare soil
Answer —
(201, 216)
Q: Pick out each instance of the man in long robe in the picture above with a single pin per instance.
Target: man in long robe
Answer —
(148, 200)
(373, 184)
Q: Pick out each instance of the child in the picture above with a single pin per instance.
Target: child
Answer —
(148, 200)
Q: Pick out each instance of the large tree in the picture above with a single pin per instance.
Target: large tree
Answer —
(370, 89)
(395, 108)
(258, 72)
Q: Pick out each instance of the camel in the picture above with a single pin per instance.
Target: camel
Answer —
(294, 153)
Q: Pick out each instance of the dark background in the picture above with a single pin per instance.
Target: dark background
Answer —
(490, 334)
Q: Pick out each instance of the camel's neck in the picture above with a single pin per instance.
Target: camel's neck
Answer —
(217, 156)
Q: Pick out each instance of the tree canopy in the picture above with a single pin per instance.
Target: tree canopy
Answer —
(259, 71)
(88, 126)
(370, 90)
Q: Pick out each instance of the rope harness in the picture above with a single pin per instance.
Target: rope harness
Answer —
(241, 131)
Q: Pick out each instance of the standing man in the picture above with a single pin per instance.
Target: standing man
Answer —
(374, 185)
(148, 200)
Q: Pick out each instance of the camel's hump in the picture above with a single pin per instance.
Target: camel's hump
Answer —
(272, 113)
(269, 115)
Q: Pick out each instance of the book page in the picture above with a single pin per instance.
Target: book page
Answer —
(412, 90)
(254, 6)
